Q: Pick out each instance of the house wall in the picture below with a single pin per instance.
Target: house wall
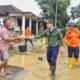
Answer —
(14, 18)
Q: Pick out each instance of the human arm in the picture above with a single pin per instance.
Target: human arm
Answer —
(9, 37)
(43, 34)
(66, 38)
(12, 39)
(60, 37)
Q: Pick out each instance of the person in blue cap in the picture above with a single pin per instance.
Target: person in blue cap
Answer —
(72, 39)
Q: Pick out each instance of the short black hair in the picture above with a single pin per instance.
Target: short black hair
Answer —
(5, 20)
(50, 21)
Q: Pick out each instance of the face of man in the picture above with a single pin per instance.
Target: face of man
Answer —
(71, 27)
(28, 28)
(7, 24)
(50, 26)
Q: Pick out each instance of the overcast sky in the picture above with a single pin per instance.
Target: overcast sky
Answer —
(30, 5)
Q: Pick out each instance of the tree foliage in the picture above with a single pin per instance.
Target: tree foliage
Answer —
(78, 25)
(49, 10)
(75, 12)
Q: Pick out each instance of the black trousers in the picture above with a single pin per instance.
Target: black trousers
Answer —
(73, 51)
(26, 40)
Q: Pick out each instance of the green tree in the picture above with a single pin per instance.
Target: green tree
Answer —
(49, 10)
(75, 12)
(78, 11)
(78, 25)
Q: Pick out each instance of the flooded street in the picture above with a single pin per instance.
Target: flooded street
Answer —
(31, 32)
(30, 67)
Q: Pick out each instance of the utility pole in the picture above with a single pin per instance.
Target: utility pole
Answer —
(56, 13)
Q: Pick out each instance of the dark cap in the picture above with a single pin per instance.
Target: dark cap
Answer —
(49, 21)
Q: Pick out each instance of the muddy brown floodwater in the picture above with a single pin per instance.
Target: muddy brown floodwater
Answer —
(30, 67)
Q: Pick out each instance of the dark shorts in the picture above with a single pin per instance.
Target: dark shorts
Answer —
(4, 56)
(73, 51)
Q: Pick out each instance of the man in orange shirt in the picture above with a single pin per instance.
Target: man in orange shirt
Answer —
(72, 39)
(28, 34)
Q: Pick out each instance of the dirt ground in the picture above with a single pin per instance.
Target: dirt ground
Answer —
(29, 67)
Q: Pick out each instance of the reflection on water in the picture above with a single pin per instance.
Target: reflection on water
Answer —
(14, 71)
(37, 68)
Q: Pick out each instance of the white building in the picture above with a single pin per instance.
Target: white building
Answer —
(20, 19)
